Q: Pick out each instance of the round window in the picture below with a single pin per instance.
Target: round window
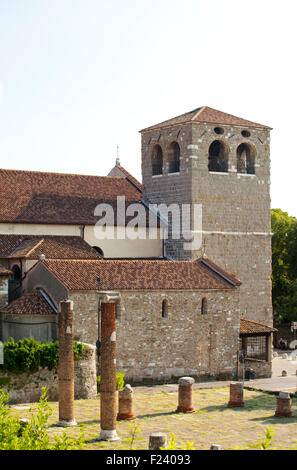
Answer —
(245, 134)
(219, 130)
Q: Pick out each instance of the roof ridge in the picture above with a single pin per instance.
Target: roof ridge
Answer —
(236, 117)
(255, 322)
(55, 173)
(34, 247)
(199, 111)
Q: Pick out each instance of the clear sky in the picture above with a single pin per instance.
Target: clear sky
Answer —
(78, 77)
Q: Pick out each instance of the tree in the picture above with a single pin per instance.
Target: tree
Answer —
(284, 266)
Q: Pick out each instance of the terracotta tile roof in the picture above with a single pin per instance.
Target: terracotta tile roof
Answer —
(221, 271)
(29, 304)
(121, 172)
(53, 247)
(207, 115)
(4, 271)
(36, 197)
(251, 327)
(137, 275)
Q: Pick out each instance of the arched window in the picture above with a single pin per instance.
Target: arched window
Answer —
(164, 309)
(218, 157)
(99, 250)
(157, 160)
(204, 306)
(245, 159)
(173, 158)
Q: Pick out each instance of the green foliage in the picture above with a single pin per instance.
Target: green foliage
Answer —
(32, 436)
(172, 444)
(134, 435)
(284, 266)
(28, 354)
(4, 380)
(266, 440)
(120, 381)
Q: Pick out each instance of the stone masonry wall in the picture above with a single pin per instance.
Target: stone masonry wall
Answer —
(235, 207)
(27, 387)
(262, 369)
(152, 348)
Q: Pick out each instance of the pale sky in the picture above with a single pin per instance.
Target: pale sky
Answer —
(79, 77)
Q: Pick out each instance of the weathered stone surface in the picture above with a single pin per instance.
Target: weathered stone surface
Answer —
(283, 405)
(236, 395)
(152, 348)
(235, 207)
(27, 387)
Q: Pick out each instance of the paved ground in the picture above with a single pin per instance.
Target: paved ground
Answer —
(212, 423)
(278, 383)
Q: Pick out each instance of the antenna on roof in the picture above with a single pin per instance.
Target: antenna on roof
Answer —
(118, 162)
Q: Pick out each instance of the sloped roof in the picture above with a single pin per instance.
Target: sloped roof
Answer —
(207, 115)
(30, 304)
(250, 327)
(137, 275)
(37, 197)
(119, 171)
(53, 247)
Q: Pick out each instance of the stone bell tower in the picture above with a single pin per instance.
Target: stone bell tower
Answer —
(222, 162)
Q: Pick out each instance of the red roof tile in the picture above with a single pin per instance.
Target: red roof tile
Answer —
(121, 172)
(29, 304)
(36, 197)
(137, 275)
(53, 247)
(251, 327)
(209, 116)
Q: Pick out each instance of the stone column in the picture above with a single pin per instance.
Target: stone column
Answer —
(236, 395)
(185, 395)
(66, 365)
(126, 403)
(283, 405)
(108, 393)
(157, 440)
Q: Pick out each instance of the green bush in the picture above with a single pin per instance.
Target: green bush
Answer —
(29, 354)
(32, 436)
(120, 381)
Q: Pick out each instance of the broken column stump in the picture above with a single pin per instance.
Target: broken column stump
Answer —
(216, 447)
(236, 395)
(126, 411)
(185, 395)
(157, 440)
(66, 365)
(283, 405)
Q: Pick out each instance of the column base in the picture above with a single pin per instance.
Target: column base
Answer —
(108, 435)
(180, 409)
(66, 424)
(287, 414)
(125, 417)
(236, 404)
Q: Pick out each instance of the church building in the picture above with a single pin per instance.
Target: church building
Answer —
(185, 308)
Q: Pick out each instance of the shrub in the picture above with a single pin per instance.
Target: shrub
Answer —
(120, 381)
(29, 354)
(32, 436)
